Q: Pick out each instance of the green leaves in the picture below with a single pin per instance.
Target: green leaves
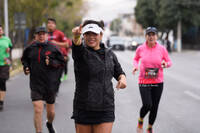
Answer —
(68, 13)
(165, 14)
(116, 25)
(145, 13)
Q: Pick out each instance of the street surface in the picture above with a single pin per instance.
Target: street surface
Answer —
(178, 110)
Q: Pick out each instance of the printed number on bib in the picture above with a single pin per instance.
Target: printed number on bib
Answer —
(151, 73)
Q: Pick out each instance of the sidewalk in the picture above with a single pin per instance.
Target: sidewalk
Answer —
(16, 67)
(16, 71)
(16, 62)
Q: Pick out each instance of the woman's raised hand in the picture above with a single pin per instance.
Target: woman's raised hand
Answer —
(77, 34)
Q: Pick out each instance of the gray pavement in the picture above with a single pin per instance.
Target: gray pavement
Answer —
(178, 111)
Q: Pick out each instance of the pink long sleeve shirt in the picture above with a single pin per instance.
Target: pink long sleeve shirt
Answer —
(151, 58)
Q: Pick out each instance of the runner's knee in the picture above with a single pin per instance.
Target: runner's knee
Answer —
(38, 107)
(51, 112)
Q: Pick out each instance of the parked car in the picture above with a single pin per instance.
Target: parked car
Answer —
(132, 45)
(117, 43)
(136, 41)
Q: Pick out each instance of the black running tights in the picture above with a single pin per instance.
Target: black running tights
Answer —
(150, 95)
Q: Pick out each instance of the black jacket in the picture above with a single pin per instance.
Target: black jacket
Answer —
(43, 78)
(94, 88)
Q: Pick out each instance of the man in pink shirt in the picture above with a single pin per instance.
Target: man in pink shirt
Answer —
(153, 58)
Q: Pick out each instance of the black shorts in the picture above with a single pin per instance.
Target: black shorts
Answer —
(2, 84)
(93, 117)
(49, 98)
(4, 72)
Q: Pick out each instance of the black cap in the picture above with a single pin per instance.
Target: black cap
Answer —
(40, 29)
(151, 29)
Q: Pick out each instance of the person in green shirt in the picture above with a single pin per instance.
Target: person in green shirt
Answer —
(5, 48)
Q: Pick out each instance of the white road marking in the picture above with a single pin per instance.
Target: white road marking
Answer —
(193, 95)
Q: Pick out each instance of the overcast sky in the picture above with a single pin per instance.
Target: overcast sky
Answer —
(109, 9)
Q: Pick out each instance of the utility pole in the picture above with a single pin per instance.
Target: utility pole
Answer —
(6, 17)
(179, 37)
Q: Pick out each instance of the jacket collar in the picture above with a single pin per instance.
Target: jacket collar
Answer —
(146, 45)
(102, 45)
(41, 44)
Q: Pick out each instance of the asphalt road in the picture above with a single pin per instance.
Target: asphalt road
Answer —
(178, 110)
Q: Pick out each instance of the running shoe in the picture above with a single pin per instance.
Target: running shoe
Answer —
(140, 123)
(149, 130)
(50, 127)
(63, 78)
(139, 130)
(140, 126)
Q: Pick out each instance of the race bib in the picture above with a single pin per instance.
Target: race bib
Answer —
(151, 73)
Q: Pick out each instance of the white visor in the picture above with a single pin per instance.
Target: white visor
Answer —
(92, 28)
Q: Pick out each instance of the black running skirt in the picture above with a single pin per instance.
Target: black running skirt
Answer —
(93, 117)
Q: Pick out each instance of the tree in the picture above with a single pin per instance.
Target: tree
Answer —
(116, 25)
(145, 14)
(67, 12)
(34, 11)
(1, 12)
(165, 14)
(189, 13)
